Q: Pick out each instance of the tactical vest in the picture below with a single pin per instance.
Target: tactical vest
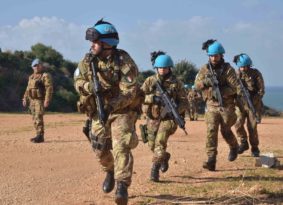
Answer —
(171, 87)
(36, 88)
(109, 74)
(249, 80)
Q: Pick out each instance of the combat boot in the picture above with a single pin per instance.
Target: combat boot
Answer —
(210, 164)
(255, 152)
(121, 195)
(165, 164)
(233, 154)
(154, 175)
(37, 139)
(109, 182)
(243, 147)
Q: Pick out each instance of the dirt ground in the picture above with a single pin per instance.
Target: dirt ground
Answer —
(63, 170)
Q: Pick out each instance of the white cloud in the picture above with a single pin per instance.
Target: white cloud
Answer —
(263, 41)
(63, 36)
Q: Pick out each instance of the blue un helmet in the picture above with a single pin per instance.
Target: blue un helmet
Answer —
(159, 59)
(35, 62)
(242, 60)
(103, 31)
(163, 61)
(213, 47)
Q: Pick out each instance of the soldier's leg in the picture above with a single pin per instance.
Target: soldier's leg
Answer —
(253, 134)
(191, 111)
(240, 130)
(152, 128)
(101, 145)
(161, 157)
(124, 139)
(195, 111)
(212, 119)
(38, 112)
(228, 120)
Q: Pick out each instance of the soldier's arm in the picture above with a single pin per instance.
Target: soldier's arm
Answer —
(260, 84)
(233, 83)
(80, 82)
(199, 79)
(25, 97)
(48, 84)
(147, 89)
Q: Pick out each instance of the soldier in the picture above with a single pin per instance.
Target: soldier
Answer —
(116, 73)
(159, 127)
(253, 82)
(193, 98)
(218, 83)
(38, 95)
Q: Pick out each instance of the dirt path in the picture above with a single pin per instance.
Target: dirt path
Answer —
(63, 170)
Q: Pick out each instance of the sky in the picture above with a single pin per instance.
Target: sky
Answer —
(178, 27)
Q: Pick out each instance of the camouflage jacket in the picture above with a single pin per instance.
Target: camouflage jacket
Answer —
(253, 81)
(174, 89)
(193, 95)
(117, 75)
(39, 87)
(228, 85)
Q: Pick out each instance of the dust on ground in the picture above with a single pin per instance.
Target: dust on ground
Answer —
(64, 170)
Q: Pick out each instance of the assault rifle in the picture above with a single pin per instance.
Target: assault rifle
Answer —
(97, 95)
(215, 86)
(247, 97)
(170, 108)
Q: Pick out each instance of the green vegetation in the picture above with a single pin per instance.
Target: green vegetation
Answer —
(14, 72)
(15, 69)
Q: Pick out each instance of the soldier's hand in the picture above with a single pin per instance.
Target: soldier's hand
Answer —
(207, 81)
(46, 103)
(214, 94)
(24, 103)
(157, 100)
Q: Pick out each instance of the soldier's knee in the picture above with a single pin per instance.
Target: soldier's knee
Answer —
(100, 144)
(129, 140)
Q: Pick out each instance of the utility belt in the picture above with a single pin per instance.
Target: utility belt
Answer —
(102, 144)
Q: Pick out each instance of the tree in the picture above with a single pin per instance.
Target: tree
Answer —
(185, 71)
(47, 54)
(143, 75)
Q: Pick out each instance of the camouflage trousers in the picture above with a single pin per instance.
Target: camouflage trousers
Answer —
(251, 125)
(158, 135)
(193, 110)
(120, 134)
(214, 118)
(37, 110)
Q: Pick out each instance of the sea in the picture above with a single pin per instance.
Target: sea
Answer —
(274, 97)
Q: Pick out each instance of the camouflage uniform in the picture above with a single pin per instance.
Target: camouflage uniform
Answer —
(193, 98)
(159, 130)
(117, 75)
(216, 116)
(253, 81)
(39, 89)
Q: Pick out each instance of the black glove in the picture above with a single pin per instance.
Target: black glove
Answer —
(157, 100)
